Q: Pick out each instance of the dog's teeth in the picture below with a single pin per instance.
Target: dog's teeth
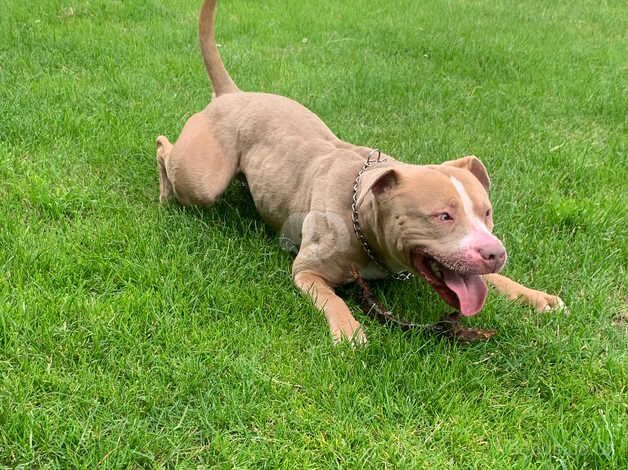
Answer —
(436, 269)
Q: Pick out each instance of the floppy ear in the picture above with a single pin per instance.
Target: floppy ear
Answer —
(385, 183)
(378, 181)
(475, 166)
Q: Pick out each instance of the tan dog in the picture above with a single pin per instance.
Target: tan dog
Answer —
(433, 220)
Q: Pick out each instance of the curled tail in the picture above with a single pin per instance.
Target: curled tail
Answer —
(221, 81)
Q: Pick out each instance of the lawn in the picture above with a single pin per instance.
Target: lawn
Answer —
(138, 334)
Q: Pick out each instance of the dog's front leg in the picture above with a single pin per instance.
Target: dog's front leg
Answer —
(341, 322)
(541, 301)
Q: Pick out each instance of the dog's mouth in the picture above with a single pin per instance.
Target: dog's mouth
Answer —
(465, 292)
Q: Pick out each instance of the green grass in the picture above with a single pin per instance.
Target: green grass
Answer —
(134, 334)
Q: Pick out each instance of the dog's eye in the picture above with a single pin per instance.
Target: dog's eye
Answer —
(445, 216)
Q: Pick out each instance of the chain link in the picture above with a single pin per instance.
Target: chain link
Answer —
(400, 275)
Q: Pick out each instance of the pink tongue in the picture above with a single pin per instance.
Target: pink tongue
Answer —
(471, 291)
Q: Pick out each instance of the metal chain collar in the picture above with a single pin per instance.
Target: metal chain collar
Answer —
(400, 275)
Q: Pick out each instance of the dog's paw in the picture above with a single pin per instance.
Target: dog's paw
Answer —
(543, 302)
(351, 332)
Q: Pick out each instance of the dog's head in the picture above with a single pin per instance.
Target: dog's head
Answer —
(437, 221)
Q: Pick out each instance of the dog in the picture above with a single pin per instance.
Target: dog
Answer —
(342, 206)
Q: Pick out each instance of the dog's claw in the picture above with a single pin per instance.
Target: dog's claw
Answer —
(549, 303)
(354, 335)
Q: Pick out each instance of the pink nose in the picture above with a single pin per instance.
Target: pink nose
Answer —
(494, 256)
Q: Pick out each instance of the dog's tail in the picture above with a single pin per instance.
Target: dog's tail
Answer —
(221, 81)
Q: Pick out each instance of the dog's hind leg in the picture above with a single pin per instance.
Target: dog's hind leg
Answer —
(195, 169)
(164, 147)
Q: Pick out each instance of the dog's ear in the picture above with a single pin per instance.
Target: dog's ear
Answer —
(475, 166)
(385, 182)
(378, 181)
